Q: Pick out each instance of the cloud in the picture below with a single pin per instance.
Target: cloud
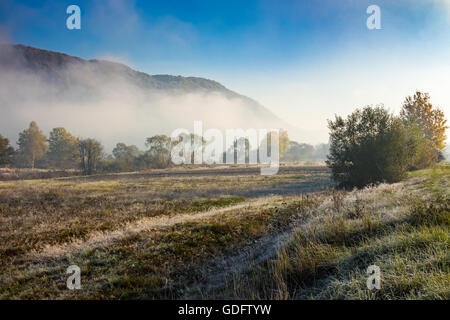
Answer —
(111, 107)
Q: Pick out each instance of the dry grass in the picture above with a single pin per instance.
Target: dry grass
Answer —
(403, 228)
(38, 213)
(46, 224)
(225, 236)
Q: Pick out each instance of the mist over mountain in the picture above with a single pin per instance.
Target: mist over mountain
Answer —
(112, 102)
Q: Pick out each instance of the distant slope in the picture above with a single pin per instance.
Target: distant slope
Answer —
(57, 89)
(54, 64)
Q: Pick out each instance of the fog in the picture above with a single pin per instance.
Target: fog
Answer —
(103, 101)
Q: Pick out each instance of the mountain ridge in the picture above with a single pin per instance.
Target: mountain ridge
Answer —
(36, 59)
(38, 80)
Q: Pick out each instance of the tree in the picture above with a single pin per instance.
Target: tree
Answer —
(159, 152)
(31, 145)
(196, 144)
(299, 152)
(6, 151)
(91, 152)
(126, 156)
(239, 151)
(419, 110)
(63, 149)
(266, 143)
(283, 142)
(425, 153)
(369, 146)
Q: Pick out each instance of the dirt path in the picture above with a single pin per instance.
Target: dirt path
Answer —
(218, 273)
(101, 239)
(225, 171)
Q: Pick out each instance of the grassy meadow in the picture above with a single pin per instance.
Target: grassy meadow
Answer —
(218, 234)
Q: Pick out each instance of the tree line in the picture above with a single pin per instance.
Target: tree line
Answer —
(305, 152)
(62, 150)
(371, 145)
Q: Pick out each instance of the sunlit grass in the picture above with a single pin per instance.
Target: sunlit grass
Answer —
(333, 236)
(329, 260)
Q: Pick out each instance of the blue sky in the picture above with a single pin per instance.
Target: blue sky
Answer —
(304, 60)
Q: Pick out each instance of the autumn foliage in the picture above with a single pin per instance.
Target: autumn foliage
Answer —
(419, 110)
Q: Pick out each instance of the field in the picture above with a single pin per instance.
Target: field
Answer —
(224, 233)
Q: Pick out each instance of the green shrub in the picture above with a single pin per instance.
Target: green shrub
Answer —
(370, 146)
(424, 155)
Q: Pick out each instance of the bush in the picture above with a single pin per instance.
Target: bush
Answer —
(425, 154)
(368, 147)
